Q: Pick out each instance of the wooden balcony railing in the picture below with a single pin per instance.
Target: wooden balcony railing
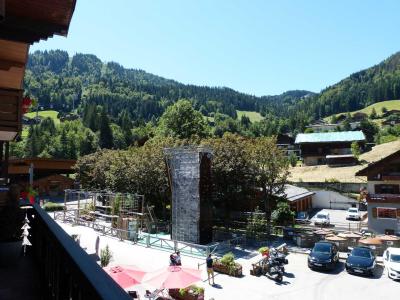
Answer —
(382, 198)
(389, 177)
(66, 270)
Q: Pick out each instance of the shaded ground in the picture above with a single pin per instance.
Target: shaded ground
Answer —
(20, 281)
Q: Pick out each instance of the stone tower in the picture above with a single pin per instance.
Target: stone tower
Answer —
(189, 170)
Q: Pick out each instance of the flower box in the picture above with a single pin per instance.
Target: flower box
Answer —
(221, 268)
(187, 294)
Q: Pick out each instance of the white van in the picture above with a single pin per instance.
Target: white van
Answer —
(322, 218)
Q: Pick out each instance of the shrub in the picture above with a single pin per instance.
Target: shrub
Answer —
(228, 260)
(105, 256)
(331, 180)
(282, 214)
(194, 289)
(51, 206)
(293, 159)
(355, 150)
(256, 224)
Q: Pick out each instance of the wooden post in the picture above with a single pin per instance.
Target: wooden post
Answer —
(79, 204)
(65, 204)
(141, 218)
(6, 156)
(148, 240)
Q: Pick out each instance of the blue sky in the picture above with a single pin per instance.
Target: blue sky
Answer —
(257, 47)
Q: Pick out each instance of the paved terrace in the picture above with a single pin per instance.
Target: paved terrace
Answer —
(299, 282)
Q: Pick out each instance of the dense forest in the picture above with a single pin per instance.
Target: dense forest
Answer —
(375, 84)
(63, 83)
(112, 107)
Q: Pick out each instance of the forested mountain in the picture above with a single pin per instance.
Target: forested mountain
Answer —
(378, 83)
(63, 83)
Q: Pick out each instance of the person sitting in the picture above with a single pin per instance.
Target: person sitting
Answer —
(178, 261)
(172, 261)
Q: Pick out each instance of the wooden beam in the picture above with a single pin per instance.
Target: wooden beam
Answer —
(30, 31)
(7, 64)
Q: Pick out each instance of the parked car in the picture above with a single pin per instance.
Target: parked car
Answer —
(361, 260)
(322, 218)
(391, 261)
(353, 214)
(302, 217)
(324, 255)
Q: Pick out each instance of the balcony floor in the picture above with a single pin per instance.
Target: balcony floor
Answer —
(20, 281)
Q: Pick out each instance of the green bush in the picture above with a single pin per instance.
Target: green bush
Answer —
(256, 224)
(105, 256)
(293, 159)
(331, 180)
(51, 206)
(282, 215)
(195, 290)
(228, 260)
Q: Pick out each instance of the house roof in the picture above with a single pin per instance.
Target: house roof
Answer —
(29, 21)
(41, 166)
(378, 164)
(294, 193)
(330, 137)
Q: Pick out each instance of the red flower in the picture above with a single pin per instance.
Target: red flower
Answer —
(26, 104)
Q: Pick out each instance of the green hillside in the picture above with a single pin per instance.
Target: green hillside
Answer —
(252, 115)
(389, 105)
(45, 114)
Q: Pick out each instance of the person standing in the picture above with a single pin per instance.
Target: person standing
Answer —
(210, 269)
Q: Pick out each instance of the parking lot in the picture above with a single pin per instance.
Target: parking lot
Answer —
(338, 219)
(302, 283)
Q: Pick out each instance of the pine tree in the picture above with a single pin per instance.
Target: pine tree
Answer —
(106, 136)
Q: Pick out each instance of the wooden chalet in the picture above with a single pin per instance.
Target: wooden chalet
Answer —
(46, 175)
(333, 147)
(383, 194)
(391, 112)
(23, 22)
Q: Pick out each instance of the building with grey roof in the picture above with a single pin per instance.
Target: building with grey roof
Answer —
(317, 148)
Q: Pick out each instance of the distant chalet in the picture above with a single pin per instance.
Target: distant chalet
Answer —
(332, 148)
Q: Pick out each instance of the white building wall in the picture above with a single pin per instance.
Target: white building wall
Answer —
(331, 199)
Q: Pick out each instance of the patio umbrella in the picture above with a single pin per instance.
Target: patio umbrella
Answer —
(125, 276)
(371, 241)
(173, 277)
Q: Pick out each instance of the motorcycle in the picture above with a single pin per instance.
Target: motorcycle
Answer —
(276, 262)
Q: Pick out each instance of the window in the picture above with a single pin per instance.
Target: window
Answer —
(386, 188)
(386, 213)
